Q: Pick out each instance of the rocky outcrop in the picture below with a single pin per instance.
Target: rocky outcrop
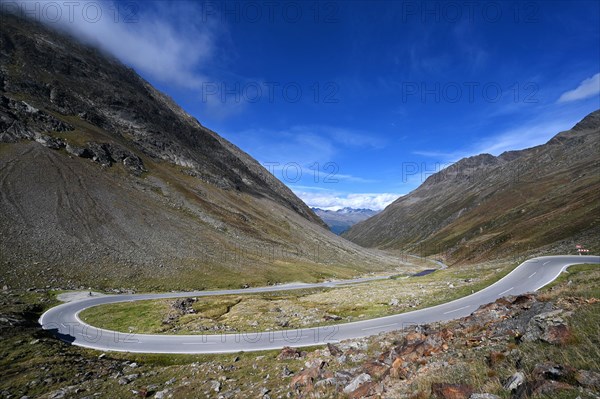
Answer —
(408, 355)
(548, 327)
(107, 154)
(290, 353)
(19, 120)
(97, 90)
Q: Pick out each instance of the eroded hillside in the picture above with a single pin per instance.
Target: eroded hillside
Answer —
(105, 181)
(546, 197)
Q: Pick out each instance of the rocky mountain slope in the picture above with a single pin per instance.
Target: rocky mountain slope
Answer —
(342, 219)
(106, 181)
(485, 206)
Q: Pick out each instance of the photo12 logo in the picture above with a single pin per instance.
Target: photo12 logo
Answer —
(73, 11)
(271, 92)
(437, 11)
(471, 92)
(270, 11)
(293, 172)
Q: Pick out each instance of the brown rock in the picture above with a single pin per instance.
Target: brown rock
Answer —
(446, 334)
(302, 380)
(451, 391)
(414, 337)
(376, 369)
(474, 341)
(556, 372)
(415, 347)
(289, 353)
(306, 378)
(334, 350)
(523, 299)
(388, 357)
(433, 344)
(398, 370)
(549, 388)
(557, 335)
(494, 358)
(412, 354)
(365, 390)
(504, 301)
(588, 379)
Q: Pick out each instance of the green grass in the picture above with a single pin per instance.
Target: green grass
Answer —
(302, 308)
(580, 276)
(577, 291)
(23, 359)
(145, 316)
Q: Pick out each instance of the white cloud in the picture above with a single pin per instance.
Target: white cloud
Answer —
(518, 138)
(163, 40)
(588, 88)
(522, 137)
(334, 201)
(306, 145)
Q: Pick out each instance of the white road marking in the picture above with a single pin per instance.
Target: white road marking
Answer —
(532, 274)
(195, 343)
(292, 339)
(376, 327)
(545, 263)
(504, 292)
(456, 310)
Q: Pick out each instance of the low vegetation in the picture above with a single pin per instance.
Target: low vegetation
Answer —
(37, 365)
(295, 309)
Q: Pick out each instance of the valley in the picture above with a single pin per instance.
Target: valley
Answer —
(146, 255)
(342, 219)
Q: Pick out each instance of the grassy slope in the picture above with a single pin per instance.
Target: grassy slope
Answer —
(305, 308)
(31, 363)
(471, 366)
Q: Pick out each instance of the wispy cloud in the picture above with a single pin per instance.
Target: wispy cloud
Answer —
(437, 154)
(517, 138)
(588, 88)
(304, 144)
(334, 201)
(354, 138)
(522, 137)
(353, 179)
(162, 40)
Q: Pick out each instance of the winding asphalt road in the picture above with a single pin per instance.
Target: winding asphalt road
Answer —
(64, 322)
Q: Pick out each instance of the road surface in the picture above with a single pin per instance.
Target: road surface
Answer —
(64, 322)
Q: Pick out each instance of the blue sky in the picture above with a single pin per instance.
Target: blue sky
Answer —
(356, 103)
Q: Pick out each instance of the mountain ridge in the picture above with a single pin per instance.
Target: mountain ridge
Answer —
(106, 182)
(497, 206)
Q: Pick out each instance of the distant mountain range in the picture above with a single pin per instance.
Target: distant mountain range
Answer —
(545, 198)
(341, 220)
